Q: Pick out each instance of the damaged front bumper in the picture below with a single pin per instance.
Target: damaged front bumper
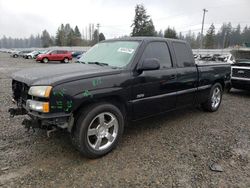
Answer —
(49, 121)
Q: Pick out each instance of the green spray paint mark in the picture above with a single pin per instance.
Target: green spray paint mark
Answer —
(96, 82)
(69, 105)
(59, 93)
(59, 103)
(53, 107)
(86, 93)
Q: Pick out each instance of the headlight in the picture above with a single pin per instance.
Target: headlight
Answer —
(40, 91)
(38, 106)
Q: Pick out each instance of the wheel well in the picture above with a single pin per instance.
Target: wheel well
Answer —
(115, 100)
(220, 81)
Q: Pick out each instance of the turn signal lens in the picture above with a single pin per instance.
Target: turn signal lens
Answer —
(46, 107)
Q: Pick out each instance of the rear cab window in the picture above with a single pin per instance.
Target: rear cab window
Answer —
(183, 54)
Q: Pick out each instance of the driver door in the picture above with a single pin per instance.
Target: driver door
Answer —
(154, 91)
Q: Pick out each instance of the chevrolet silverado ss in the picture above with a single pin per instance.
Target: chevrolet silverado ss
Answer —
(117, 81)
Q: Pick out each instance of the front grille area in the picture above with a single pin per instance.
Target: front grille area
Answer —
(20, 91)
(241, 73)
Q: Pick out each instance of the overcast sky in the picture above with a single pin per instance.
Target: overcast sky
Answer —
(21, 18)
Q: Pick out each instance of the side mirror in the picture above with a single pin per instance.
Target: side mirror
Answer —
(149, 64)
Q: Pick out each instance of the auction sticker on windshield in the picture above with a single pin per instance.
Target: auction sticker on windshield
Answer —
(126, 50)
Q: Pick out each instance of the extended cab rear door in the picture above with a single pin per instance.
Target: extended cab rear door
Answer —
(154, 91)
(187, 74)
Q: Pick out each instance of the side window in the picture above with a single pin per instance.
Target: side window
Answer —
(160, 51)
(54, 52)
(183, 55)
(59, 52)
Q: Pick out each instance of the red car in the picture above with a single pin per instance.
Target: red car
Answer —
(55, 55)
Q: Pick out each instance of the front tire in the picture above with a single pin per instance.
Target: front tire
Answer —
(45, 60)
(98, 129)
(214, 99)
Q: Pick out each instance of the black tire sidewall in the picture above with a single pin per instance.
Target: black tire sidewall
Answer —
(83, 124)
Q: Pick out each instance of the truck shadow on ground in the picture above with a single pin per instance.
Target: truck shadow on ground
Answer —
(132, 130)
(237, 92)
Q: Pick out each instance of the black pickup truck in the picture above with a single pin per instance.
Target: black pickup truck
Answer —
(117, 81)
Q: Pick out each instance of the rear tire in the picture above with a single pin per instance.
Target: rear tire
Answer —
(214, 99)
(98, 129)
(66, 60)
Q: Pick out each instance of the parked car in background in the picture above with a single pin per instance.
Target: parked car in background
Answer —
(55, 55)
(241, 75)
(79, 56)
(75, 54)
(15, 54)
(31, 55)
(24, 53)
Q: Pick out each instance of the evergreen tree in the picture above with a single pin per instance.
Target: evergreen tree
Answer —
(101, 37)
(142, 24)
(170, 33)
(45, 38)
(71, 38)
(95, 37)
(210, 37)
(236, 36)
(77, 32)
(67, 29)
(61, 37)
(246, 35)
(77, 37)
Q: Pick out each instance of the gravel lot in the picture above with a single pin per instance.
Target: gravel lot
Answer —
(173, 150)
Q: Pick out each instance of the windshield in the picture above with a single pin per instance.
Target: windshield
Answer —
(48, 52)
(116, 54)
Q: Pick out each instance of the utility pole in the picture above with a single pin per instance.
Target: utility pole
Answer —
(98, 26)
(202, 27)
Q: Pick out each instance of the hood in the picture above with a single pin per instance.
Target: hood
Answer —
(57, 74)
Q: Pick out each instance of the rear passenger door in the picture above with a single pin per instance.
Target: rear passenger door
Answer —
(154, 91)
(60, 55)
(187, 74)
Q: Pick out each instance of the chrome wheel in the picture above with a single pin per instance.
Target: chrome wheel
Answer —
(216, 97)
(45, 60)
(102, 131)
(66, 60)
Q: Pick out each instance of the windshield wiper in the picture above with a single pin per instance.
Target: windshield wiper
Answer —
(98, 63)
